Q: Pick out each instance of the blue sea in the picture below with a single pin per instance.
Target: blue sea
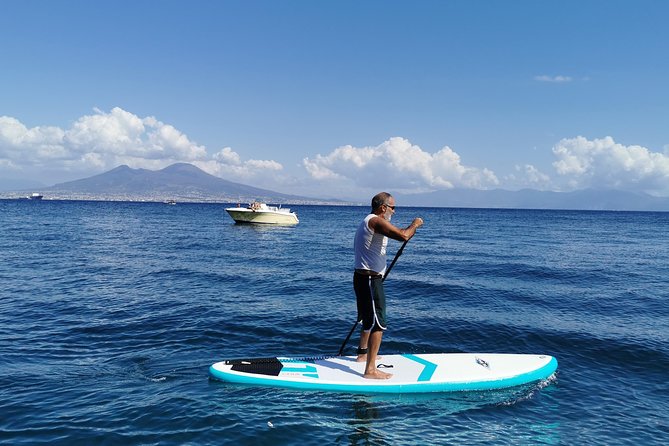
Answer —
(112, 312)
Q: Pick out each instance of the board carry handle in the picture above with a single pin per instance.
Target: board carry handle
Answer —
(397, 256)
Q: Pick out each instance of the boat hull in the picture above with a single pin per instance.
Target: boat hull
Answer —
(243, 215)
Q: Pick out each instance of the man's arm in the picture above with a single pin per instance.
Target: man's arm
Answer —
(383, 226)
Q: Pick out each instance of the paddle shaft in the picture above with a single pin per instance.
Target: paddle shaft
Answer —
(397, 256)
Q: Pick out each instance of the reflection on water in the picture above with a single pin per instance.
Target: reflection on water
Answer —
(378, 419)
(365, 412)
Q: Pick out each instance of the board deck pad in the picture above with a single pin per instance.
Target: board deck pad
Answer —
(412, 373)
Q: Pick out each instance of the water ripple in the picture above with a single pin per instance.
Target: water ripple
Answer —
(111, 313)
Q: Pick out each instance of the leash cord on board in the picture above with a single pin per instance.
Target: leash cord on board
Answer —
(252, 361)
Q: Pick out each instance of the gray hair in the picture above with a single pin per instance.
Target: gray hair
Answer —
(379, 200)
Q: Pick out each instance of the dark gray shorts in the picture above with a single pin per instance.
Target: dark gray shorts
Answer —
(371, 301)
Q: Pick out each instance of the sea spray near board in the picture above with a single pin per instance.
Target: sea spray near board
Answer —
(412, 373)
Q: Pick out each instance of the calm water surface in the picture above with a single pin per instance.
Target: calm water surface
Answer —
(111, 313)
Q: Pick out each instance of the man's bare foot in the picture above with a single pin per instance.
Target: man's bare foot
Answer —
(377, 374)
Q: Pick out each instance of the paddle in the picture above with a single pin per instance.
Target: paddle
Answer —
(397, 256)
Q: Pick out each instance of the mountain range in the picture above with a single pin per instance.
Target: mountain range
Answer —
(586, 199)
(180, 181)
(186, 182)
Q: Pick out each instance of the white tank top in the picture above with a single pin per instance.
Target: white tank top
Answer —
(370, 248)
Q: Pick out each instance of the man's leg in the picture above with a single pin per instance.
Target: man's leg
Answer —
(371, 372)
(364, 341)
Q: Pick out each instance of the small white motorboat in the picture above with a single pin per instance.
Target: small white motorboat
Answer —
(261, 213)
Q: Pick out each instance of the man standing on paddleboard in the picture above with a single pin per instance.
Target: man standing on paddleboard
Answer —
(369, 245)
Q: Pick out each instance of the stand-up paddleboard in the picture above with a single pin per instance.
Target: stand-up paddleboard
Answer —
(419, 373)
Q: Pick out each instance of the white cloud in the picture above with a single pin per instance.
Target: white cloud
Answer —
(227, 156)
(398, 164)
(554, 79)
(124, 138)
(20, 145)
(265, 165)
(101, 141)
(528, 176)
(603, 163)
(227, 163)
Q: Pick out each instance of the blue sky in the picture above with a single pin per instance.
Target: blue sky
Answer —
(341, 98)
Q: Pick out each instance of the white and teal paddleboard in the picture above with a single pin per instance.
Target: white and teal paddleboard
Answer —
(419, 373)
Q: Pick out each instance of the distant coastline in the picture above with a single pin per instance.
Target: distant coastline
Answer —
(228, 201)
(130, 198)
(184, 182)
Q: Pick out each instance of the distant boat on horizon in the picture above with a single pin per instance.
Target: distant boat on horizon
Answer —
(35, 196)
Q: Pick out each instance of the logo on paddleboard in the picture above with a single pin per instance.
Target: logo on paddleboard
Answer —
(297, 369)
